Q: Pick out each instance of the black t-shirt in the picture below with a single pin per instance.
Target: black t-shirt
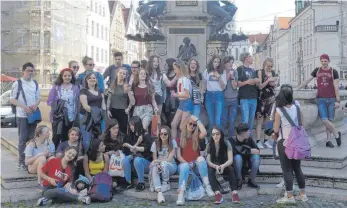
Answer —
(235, 142)
(194, 79)
(247, 91)
(93, 100)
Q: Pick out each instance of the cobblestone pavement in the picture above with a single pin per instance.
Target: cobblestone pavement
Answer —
(262, 201)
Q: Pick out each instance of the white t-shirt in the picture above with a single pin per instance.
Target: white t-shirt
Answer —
(184, 83)
(157, 84)
(285, 125)
(31, 95)
(212, 81)
(164, 153)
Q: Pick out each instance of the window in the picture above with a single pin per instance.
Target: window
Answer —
(102, 32)
(91, 5)
(310, 46)
(103, 11)
(97, 30)
(100, 11)
(237, 53)
(92, 52)
(86, 50)
(87, 27)
(47, 40)
(35, 39)
(96, 7)
(97, 54)
(102, 55)
(92, 27)
(106, 34)
(106, 55)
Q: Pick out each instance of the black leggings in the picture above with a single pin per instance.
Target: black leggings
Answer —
(57, 139)
(228, 174)
(288, 166)
(121, 117)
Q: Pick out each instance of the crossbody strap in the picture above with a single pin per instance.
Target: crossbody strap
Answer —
(286, 115)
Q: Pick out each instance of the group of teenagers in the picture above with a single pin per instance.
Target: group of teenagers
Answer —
(91, 123)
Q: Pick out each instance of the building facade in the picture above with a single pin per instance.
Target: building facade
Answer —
(117, 29)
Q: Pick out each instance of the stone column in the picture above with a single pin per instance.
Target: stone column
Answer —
(218, 48)
(156, 48)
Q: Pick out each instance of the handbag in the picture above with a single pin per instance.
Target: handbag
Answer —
(34, 116)
(196, 190)
(155, 121)
(116, 167)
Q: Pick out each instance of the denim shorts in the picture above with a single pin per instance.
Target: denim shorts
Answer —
(186, 105)
(326, 108)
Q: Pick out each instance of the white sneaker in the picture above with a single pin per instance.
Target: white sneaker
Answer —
(180, 199)
(268, 144)
(85, 199)
(160, 197)
(286, 200)
(281, 184)
(209, 191)
(165, 187)
(260, 145)
(301, 198)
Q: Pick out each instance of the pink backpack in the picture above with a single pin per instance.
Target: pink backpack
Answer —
(297, 146)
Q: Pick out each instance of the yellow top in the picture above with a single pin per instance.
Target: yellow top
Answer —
(95, 168)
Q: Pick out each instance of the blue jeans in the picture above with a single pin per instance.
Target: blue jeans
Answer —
(196, 110)
(87, 136)
(229, 116)
(127, 167)
(214, 108)
(186, 105)
(248, 108)
(141, 166)
(255, 163)
(184, 171)
(167, 170)
(326, 108)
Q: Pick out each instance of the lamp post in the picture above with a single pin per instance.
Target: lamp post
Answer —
(54, 68)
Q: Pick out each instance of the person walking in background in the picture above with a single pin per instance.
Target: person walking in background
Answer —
(248, 90)
(89, 64)
(328, 97)
(230, 97)
(25, 96)
(64, 95)
(267, 85)
(214, 82)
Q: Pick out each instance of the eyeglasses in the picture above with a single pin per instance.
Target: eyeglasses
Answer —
(30, 71)
(90, 64)
(192, 124)
(216, 134)
(76, 67)
(163, 134)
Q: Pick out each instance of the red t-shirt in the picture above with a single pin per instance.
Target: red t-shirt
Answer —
(141, 96)
(325, 82)
(188, 154)
(54, 169)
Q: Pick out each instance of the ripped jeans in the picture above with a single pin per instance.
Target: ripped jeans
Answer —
(167, 170)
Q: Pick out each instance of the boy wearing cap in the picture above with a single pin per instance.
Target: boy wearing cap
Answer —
(328, 97)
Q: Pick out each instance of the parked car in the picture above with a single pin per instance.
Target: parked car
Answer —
(8, 119)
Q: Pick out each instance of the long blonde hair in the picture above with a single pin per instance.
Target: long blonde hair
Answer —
(181, 65)
(184, 135)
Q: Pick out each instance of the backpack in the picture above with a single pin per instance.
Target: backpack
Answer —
(196, 93)
(20, 88)
(298, 146)
(101, 188)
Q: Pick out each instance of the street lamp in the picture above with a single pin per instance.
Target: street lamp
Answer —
(54, 68)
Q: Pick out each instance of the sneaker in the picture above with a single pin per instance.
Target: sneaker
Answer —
(253, 184)
(281, 184)
(329, 144)
(160, 197)
(127, 186)
(140, 187)
(85, 199)
(268, 144)
(165, 187)
(239, 184)
(260, 145)
(338, 139)
(286, 200)
(209, 191)
(235, 197)
(219, 198)
(44, 202)
(180, 199)
(301, 198)
(22, 167)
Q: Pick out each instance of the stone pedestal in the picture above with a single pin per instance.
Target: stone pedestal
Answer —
(157, 48)
(216, 48)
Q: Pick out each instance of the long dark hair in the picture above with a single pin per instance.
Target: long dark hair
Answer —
(170, 62)
(59, 79)
(285, 96)
(93, 149)
(138, 127)
(114, 84)
(107, 136)
(150, 69)
(210, 65)
(72, 162)
(169, 139)
(197, 70)
(223, 149)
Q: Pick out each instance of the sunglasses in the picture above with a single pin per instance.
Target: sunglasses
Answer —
(216, 134)
(192, 124)
(163, 134)
(76, 67)
(90, 64)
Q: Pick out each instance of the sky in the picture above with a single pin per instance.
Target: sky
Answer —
(256, 16)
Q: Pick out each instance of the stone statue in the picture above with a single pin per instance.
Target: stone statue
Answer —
(151, 10)
(222, 15)
(186, 51)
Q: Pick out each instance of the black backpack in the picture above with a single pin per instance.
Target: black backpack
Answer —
(20, 88)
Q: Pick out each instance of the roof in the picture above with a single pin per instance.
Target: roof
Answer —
(125, 12)
(284, 22)
(260, 38)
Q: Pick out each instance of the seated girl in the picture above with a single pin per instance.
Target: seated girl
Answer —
(141, 150)
(220, 160)
(38, 151)
(163, 164)
(57, 180)
(73, 141)
(188, 154)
